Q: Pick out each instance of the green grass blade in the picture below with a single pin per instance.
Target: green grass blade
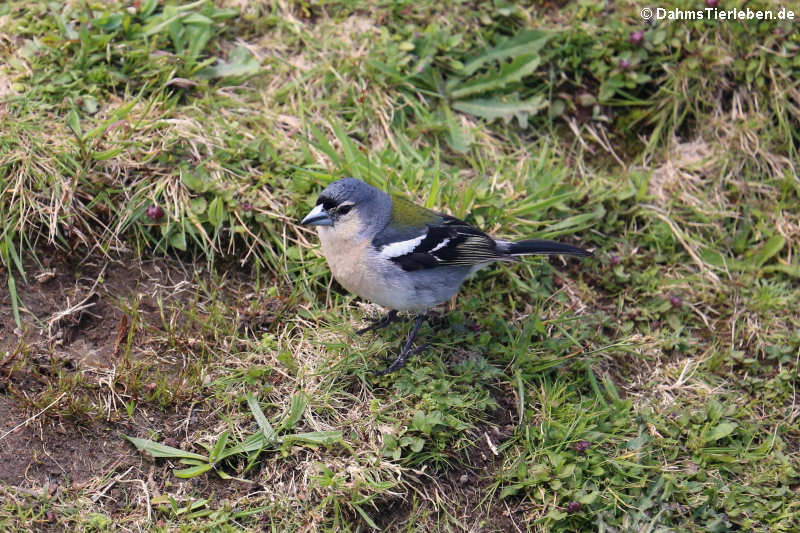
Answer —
(324, 438)
(185, 473)
(261, 420)
(14, 296)
(161, 450)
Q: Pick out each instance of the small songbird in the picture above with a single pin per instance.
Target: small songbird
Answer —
(405, 257)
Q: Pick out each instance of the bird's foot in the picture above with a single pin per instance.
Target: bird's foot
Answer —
(401, 359)
(407, 351)
(382, 322)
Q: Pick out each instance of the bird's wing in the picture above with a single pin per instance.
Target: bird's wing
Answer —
(446, 241)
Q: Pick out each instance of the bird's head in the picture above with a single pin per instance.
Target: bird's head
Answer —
(348, 202)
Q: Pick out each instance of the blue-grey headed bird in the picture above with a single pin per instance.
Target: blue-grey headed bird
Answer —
(405, 257)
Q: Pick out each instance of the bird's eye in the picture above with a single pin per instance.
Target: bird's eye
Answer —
(344, 209)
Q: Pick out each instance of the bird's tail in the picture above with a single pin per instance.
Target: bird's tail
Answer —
(539, 247)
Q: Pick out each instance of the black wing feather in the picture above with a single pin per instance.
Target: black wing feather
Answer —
(416, 261)
(447, 242)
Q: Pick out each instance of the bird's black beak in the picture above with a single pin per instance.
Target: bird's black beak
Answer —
(317, 217)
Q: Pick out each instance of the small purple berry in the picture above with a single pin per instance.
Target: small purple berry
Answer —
(581, 446)
(624, 64)
(154, 212)
(637, 37)
(614, 260)
(574, 507)
(473, 327)
(712, 3)
(675, 300)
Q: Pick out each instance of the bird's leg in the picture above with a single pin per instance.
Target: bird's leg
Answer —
(407, 352)
(380, 323)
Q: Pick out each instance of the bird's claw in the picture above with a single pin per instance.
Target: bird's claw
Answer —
(406, 351)
(401, 359)
(381, 322)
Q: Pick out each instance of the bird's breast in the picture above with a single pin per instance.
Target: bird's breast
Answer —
(355, 265)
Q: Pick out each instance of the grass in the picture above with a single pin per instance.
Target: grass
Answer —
(155, 160)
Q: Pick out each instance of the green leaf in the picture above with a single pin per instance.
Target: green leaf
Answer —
(324, 438)
(158, 24)
(261, 420)
(366, 517)
(297, 407)
(557, 459)
(790, 270)
(104, 155)
(74, 122)
(638, 442)
(566, 471)
(197, 18)
(511, 490)
(147, 7)
(420, 423)
(178, 240)
(162, 450)
(198, 36)
(742, 237)
(716, 259)
(720, 431)
(186, 461)
(12, 292)
(286, 357)
(433, 192)
(577, 221)
(115, 120)
(611, 389)
(222, 14)
(108, 22)
(494, 108)
(216, 212)
(253, 443)
(516, 70)
(219, 446)
(519, 383)
(526, 42)
(240, 63)
(195, 181)
(66, 28)
(556, 515)
(458, 139)
(774, 245)
(352, 154)
(542, 205)
(89, 104)
(198, 205)
(192, 471)
(323, 145)
(8, 253)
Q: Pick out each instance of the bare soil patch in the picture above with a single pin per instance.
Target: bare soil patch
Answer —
(65, 376)
(60, 392)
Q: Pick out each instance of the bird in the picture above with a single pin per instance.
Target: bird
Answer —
(405, 257)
